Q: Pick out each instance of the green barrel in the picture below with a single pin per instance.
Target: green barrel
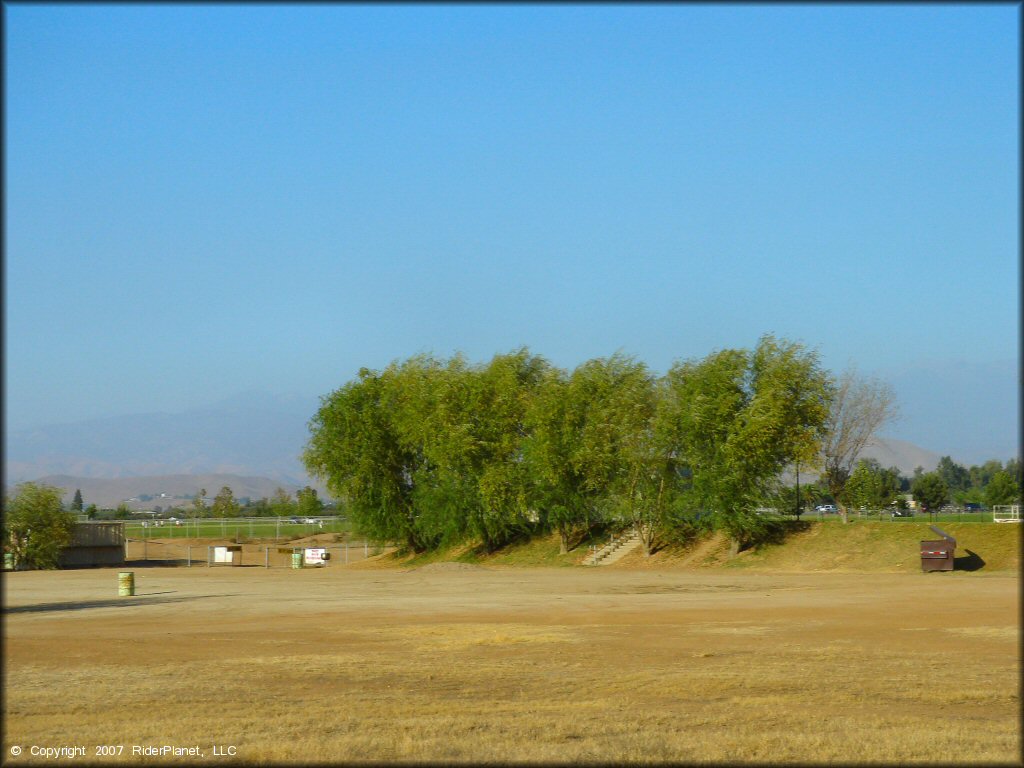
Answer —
(296, 559)
(126, 584)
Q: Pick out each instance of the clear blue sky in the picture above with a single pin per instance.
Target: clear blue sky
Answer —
(203, 200)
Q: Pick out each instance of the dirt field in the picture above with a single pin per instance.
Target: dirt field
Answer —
(453, 662)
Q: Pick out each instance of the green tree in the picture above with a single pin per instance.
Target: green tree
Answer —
(956, 477)
(257, 508)
(355, 448)
(871, 486)
(574, 450)
(982, 475)
(199, 508)
(309, 504)
(557, 490)
(35, 526)
(742, 417)
(281, 503)
(629, 450)
(1002, 489)
(470, 439)
(595, 450)
(860, 407)
(90, 512)
(225, 505)
(123, 511)
(930, 490)
(76, 503)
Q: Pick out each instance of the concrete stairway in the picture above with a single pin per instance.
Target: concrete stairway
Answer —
(616, 549)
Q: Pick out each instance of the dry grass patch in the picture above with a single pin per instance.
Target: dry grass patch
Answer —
(379, 667)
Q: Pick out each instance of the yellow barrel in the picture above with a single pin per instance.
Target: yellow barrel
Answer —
(126, 584)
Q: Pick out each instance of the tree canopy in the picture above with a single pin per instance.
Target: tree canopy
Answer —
(429, 451)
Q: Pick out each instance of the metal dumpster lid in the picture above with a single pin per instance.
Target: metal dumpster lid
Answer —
(943, 534)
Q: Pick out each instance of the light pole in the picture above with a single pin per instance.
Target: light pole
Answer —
(798, 490)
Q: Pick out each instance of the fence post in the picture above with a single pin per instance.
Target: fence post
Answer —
(346, 553)
(266, 556)
(366, 549)
(189, 555)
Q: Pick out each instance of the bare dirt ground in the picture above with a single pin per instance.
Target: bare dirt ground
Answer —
(453, 662)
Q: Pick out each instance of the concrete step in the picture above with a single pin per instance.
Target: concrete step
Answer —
(616, 549)
(620, 552)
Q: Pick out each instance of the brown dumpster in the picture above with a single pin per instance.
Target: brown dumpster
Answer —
(937, 554)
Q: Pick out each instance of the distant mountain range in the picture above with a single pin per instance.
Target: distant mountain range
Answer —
(252, 434)
(251, 443)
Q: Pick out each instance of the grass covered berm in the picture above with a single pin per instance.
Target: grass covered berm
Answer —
(885, 547)
(803, 547)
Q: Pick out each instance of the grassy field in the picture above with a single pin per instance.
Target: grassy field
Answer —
(263, 528)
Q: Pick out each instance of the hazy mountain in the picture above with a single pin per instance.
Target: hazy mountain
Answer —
(251, 434)
(968, 411)
(890, 452)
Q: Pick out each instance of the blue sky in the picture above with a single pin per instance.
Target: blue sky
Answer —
(205, 200)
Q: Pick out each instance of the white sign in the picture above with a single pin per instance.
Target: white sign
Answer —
(315, 556)
(222, 555)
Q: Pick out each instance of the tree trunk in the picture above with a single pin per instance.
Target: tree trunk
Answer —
(734, 547)
(563, 538)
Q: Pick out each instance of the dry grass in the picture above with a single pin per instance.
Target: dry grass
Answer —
(542, 666)
(441, 702)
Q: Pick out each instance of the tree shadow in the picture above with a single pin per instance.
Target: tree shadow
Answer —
(111, 603)
(776, 532)
(972, 561)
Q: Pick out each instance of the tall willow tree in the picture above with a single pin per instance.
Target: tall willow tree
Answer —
(740, 418)
(585, 449)
(474, 437)
(558, 488)
(355, 448)
(618, 451)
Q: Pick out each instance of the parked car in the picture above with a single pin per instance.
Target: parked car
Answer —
(825, 508)
(903, 513)
(973, 506)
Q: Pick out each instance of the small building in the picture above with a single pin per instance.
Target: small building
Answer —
(94, 543)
